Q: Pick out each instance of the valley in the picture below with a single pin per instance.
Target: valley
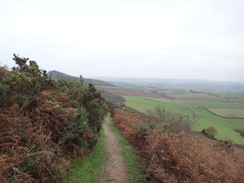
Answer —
(221, 110)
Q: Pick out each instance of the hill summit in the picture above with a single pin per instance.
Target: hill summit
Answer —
(55, 75)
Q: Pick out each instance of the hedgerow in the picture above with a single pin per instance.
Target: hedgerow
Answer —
(44, 123)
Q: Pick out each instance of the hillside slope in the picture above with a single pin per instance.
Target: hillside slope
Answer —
(56, 75)
(44, 124)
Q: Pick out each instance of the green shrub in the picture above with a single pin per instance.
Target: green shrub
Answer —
(143, 129)
(240, 131)
(87, 97)
(72, 88)
(75, 130)
(23, 84)
(210, 132)
(170, 122)
(3, 89)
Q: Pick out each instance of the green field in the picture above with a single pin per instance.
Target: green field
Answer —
(229, 113)
(211, 104)
(224, 126)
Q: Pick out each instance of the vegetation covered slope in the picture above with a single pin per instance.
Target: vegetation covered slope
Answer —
(225, 126)
(177, 156)
(57, 75)
(113, 100)
(44, 123)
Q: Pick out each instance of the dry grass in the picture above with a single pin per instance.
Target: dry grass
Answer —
(181, 157)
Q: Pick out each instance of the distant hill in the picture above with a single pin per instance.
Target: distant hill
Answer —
(226, 86)
(56, 75)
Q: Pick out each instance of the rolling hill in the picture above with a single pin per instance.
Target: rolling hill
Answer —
(56, 75)
(206, 85)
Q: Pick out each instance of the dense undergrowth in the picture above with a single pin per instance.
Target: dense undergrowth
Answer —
(179, 156)
(90, 168)
(44, 123)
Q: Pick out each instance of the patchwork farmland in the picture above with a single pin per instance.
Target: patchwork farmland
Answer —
(130, 92)
(212, 110)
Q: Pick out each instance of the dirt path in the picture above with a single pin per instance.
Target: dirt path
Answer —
(115, 170)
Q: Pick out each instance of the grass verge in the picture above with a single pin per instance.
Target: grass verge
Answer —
(89, 168)
(132, 162)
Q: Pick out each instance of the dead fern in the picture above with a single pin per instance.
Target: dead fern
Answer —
(180, 157)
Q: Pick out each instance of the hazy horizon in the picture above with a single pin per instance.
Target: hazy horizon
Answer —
(148, 78)
(191, 39)
(114, 78)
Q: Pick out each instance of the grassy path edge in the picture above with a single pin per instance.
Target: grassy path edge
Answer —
(89, 169)
(132, 161)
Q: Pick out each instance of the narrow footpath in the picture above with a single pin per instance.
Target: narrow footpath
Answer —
(115, 170)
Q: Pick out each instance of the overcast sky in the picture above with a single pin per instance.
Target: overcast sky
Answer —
(186, 39)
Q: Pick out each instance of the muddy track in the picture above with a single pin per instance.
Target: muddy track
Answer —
(115, 170)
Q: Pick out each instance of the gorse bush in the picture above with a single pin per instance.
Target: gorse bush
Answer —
(75, 131)
(23, 84)
(88, 98)
(3, 89)
(72, 89)
(44, 123)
